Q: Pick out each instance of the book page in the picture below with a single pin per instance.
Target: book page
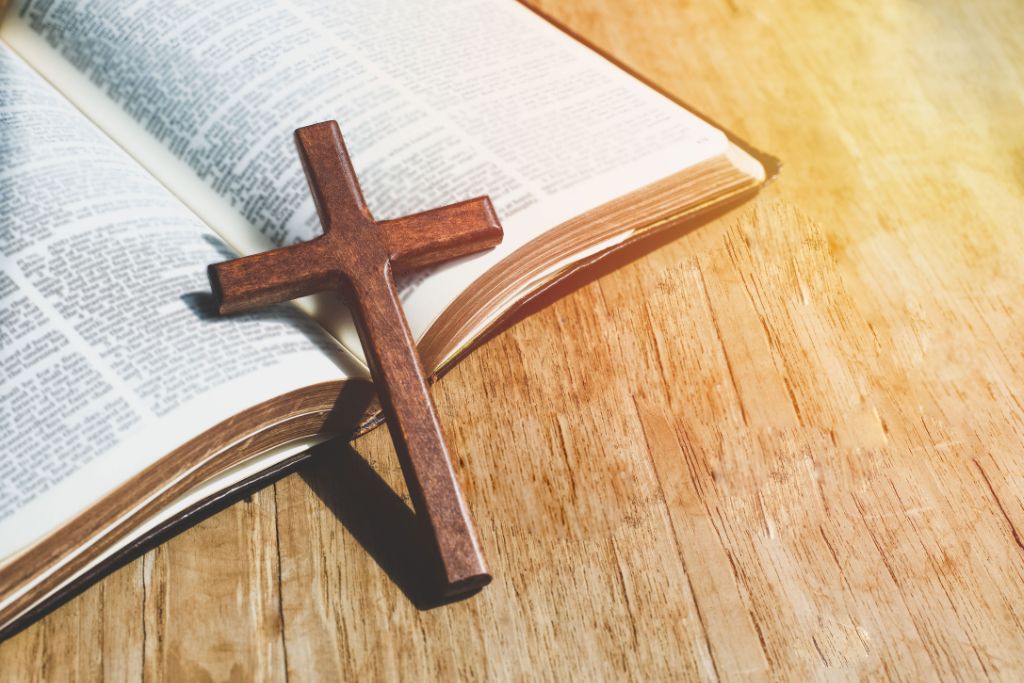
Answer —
(439, 101)
(109, 353)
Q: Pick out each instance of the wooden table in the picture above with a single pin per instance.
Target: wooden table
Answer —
(789, 444)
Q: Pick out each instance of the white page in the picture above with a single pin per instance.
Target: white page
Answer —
(108, 359)
(439, 101)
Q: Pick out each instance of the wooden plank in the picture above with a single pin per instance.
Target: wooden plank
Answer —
(230, 565)
(786, 445)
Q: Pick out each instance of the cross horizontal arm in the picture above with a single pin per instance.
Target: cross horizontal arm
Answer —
(272, 277)
(438, 235)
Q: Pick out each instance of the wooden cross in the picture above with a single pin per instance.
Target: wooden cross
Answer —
(357, 256)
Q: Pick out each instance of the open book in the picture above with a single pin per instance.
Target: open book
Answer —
(143, 140)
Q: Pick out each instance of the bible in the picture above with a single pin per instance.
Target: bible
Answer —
(143, 140)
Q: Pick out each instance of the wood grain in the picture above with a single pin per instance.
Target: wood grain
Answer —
(787, 445)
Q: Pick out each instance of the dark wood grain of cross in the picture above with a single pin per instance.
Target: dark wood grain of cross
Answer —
(358, 257)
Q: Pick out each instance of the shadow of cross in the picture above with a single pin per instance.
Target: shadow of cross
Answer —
(357, 257)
